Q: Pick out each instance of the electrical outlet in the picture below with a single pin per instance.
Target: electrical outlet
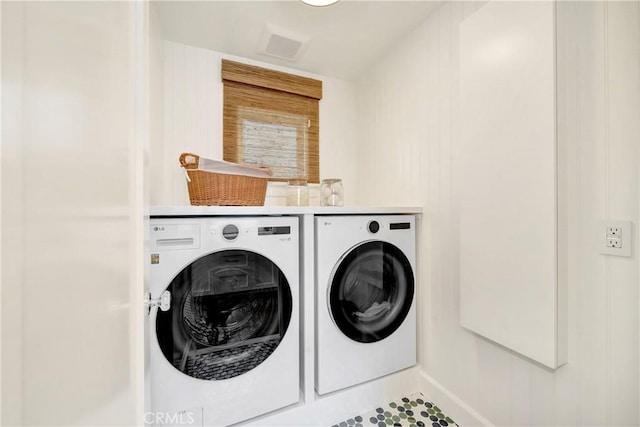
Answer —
(614, 242)
(615, 238)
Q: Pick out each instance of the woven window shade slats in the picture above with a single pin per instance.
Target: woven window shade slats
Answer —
(271, 119)
(272, 128)
(263, 77)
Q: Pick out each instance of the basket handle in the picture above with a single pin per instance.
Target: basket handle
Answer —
(189, 160)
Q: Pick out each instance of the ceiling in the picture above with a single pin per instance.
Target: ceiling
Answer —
(343, 39)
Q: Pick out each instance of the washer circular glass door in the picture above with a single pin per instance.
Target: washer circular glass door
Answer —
(229, 311)
(371, 291)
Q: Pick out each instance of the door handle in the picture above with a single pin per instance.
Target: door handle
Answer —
(163, 302)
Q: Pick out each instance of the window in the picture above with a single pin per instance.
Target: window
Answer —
(271, 119)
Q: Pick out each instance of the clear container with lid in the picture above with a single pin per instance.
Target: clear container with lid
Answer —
(297, 193)
(331, 192)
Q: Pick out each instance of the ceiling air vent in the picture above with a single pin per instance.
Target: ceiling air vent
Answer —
(282, 43)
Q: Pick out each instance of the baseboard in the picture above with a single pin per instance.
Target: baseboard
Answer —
(462, 413)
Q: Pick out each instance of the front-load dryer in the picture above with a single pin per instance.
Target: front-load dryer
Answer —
(227, 347)
(365, 298)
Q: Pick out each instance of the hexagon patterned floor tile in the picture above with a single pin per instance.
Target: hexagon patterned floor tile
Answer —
(409, 411)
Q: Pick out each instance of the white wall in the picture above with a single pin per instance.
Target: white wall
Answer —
(156, 104)
(409, 127)
(193, 121)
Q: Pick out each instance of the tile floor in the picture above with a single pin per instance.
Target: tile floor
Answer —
(410, 411)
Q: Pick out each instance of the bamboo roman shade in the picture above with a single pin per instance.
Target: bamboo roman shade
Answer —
(271, 119)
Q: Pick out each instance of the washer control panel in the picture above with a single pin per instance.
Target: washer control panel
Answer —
(175, 236)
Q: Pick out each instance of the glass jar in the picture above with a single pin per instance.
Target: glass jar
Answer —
(297, 193)
(331, 192)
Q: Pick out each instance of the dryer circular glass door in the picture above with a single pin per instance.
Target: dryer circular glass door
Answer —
(371, 291)
(229, 311)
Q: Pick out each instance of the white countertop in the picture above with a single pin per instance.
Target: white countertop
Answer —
(168, 211)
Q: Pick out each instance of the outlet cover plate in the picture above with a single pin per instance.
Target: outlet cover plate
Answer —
(615, 237)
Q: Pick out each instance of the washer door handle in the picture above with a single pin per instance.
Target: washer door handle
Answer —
(164, 302)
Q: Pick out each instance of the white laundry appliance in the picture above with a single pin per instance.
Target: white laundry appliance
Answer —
(365, 298)
(227, 347)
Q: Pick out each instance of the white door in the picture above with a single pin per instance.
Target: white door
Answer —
(72, 208)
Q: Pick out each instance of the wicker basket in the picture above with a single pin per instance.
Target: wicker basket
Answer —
(208, 188)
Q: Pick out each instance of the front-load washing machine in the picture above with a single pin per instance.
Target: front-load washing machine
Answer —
(365, 298)
(227, 347)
